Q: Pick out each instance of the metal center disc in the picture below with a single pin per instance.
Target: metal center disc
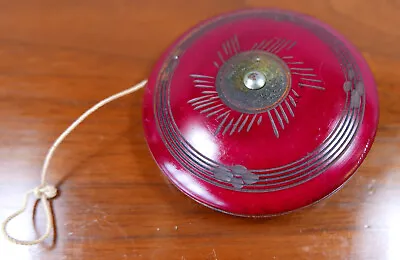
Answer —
(253, 81)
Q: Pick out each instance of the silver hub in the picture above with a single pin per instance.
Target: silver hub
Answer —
(254, 80)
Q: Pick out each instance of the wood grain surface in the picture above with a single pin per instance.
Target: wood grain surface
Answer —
(57, 58)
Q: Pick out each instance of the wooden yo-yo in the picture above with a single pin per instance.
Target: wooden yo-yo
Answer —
(260, 112)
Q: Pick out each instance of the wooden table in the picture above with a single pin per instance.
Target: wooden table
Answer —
(57, 58)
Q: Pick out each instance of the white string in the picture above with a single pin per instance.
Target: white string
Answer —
(46, 192)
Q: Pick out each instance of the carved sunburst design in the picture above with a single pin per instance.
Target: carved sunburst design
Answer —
(210, 104)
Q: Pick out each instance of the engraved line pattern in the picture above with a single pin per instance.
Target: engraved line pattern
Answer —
(243, 124)
(273, 124)
(227, 127)
(220, 57)
(262, 43)
(304, 74)
(259, 120)
(215, 112)
(284, 114)
(205, 101)
(201, 76)
(292, 101)
(229, 48)
(279, 118)
(210, 108)
(224, 48)
(292, 45)
(203, 86)
(295, 93)
(237, 42)
(289, 108)
(277, 42)
(205, 105)
(274, 45)
(258, 45)
(234, 46)
(305, 80)
(302, 69)
(227, 112)
(214, 107)
(199, 98)
(311, 86)
(251, 123)
(236, 125)
(295, 63)
(312, 80)
(202, 81)
(210, 102)
(267, 44)
(282, 46)
(209, 92)
(221, 124)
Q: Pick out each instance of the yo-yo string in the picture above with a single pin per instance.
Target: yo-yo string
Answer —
(46, 192)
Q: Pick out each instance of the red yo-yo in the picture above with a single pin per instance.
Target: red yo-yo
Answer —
(260, 112)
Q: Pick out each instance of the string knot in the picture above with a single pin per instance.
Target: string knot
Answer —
(49, 191)
(46, 192)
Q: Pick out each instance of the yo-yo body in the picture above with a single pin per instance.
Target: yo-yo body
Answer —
(260, 112)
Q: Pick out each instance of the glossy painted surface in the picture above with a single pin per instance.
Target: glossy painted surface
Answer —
(328, 128)
(60, 57)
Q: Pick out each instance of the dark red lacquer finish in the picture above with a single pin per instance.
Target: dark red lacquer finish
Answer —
(260, 112)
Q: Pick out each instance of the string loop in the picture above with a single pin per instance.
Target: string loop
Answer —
(46, 192)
